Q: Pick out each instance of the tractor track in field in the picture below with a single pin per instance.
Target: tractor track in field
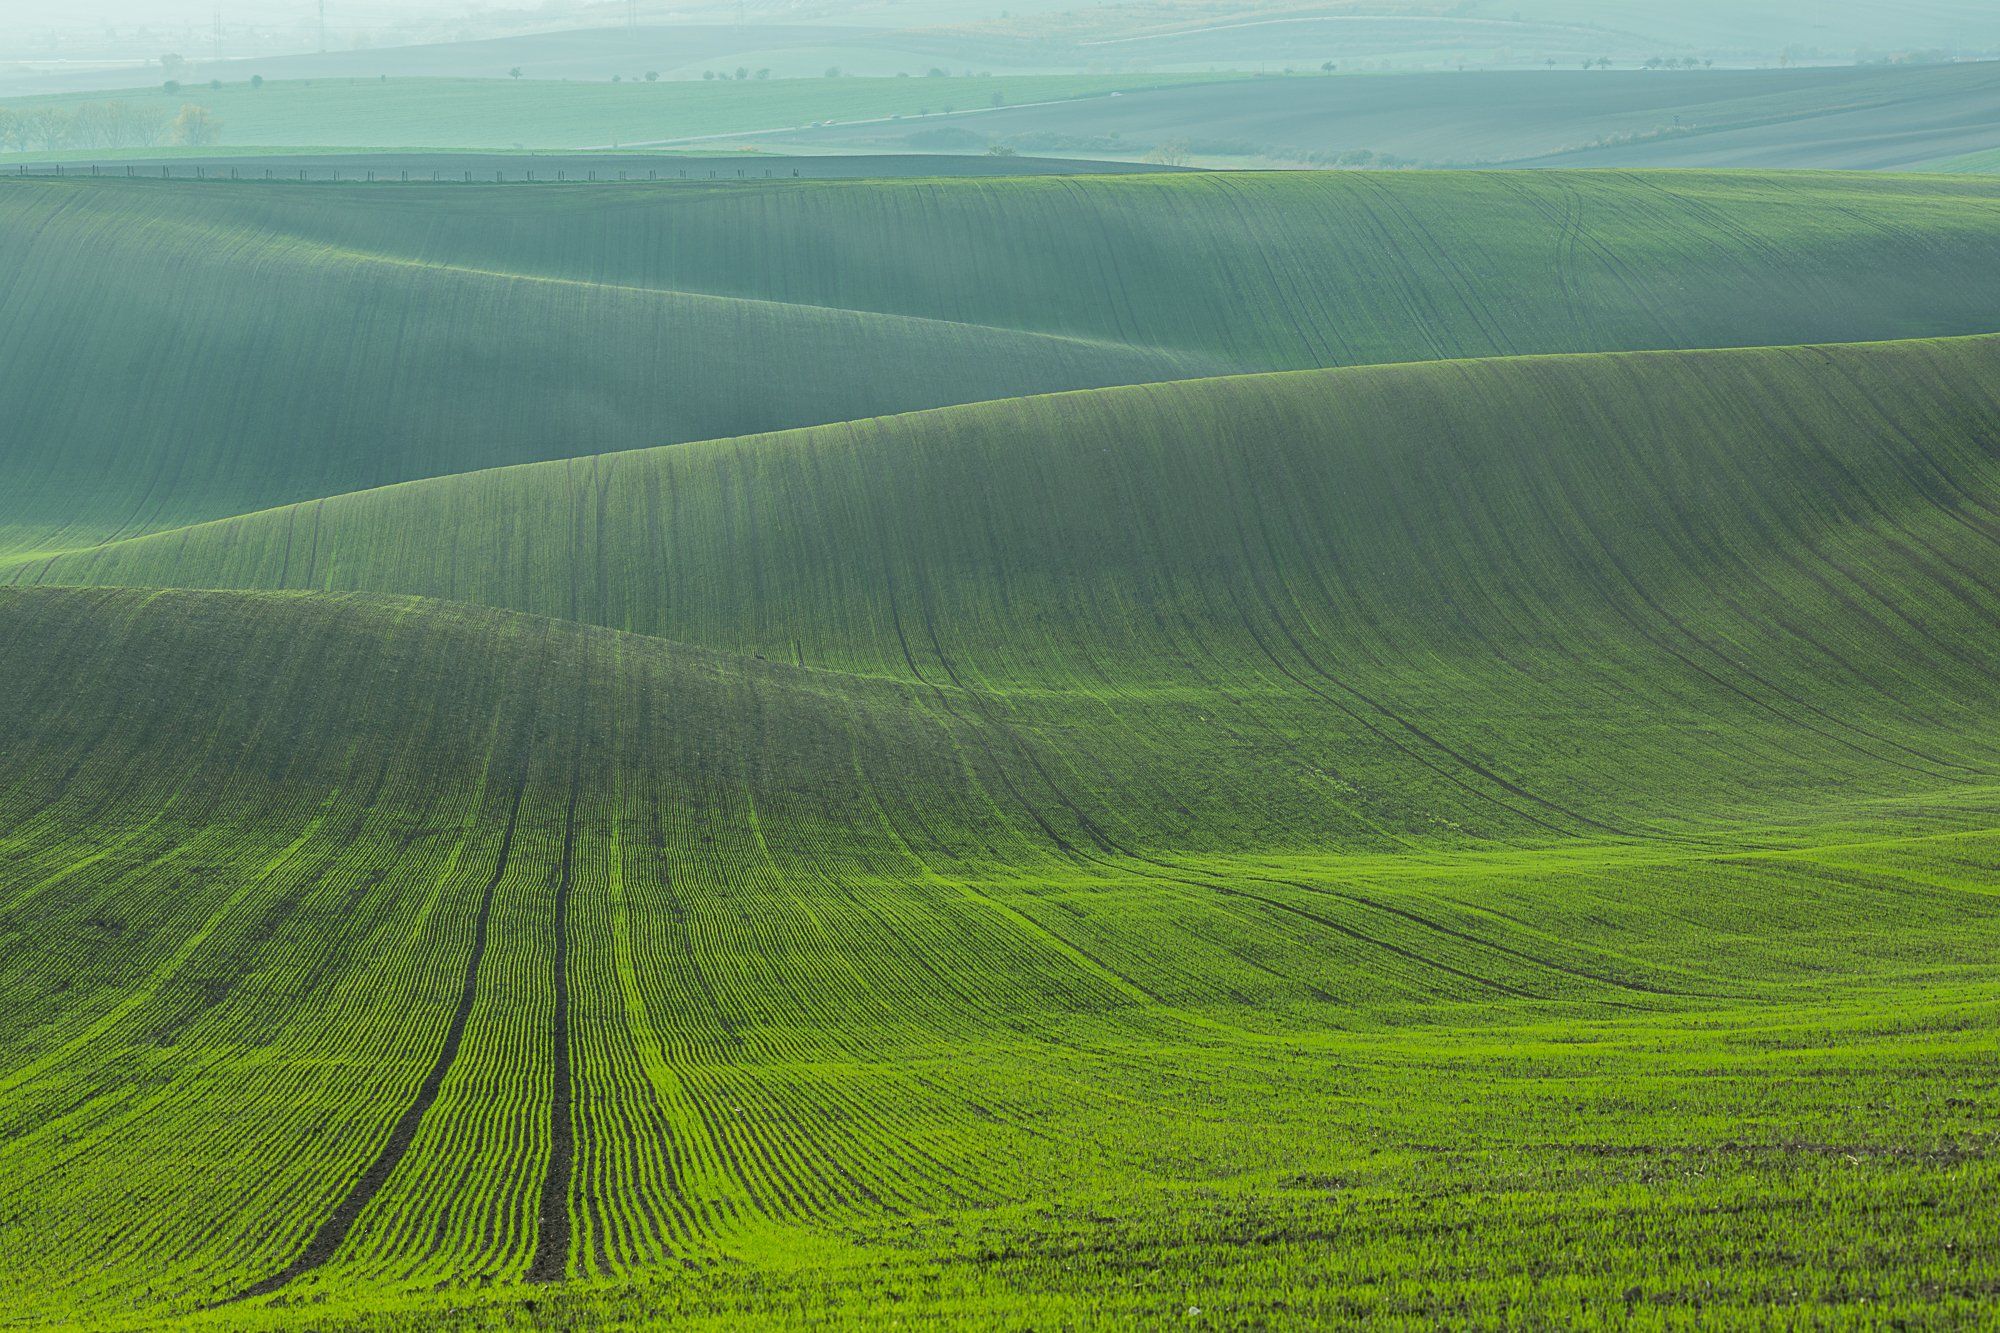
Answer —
(326, 1241)
(552, 1234)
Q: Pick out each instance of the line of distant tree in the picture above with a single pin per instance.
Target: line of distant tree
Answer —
(51, 129)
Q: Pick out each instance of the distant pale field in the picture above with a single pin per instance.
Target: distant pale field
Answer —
(1529, 29)
(1899, 118)
(1970, 163)
(530, 113)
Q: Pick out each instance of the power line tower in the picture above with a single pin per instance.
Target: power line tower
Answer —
(631, 13)
(322, 27)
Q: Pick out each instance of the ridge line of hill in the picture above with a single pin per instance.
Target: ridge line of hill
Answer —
(15, 567)
(279, 248)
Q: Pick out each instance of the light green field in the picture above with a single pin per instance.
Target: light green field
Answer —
(545, 113)
(1464, 842)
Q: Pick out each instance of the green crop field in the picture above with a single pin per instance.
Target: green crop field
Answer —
(1200, 751)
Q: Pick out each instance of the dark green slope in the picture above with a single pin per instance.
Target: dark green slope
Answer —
(177, 352)
(1742, 567)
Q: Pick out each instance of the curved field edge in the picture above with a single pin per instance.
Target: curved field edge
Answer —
(302, 342)
(864, 1015)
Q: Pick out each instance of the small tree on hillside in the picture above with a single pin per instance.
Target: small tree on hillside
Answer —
(196, 127)
(652, 76)
(514, 73)
(256, 80)
(171, 65)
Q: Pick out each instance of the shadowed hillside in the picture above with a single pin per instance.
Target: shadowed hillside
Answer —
(177, 352)
(1623, 538)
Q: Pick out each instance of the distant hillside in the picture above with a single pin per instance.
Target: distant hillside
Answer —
(498, 112)
(681, 50)
(1888, 118)
(1517, 33)
(299, 342)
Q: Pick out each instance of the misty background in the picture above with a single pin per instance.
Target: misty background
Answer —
(1352, 84)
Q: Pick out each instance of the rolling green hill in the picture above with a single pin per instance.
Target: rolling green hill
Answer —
(1313, 532)
(1278, 847)
(175, 352)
